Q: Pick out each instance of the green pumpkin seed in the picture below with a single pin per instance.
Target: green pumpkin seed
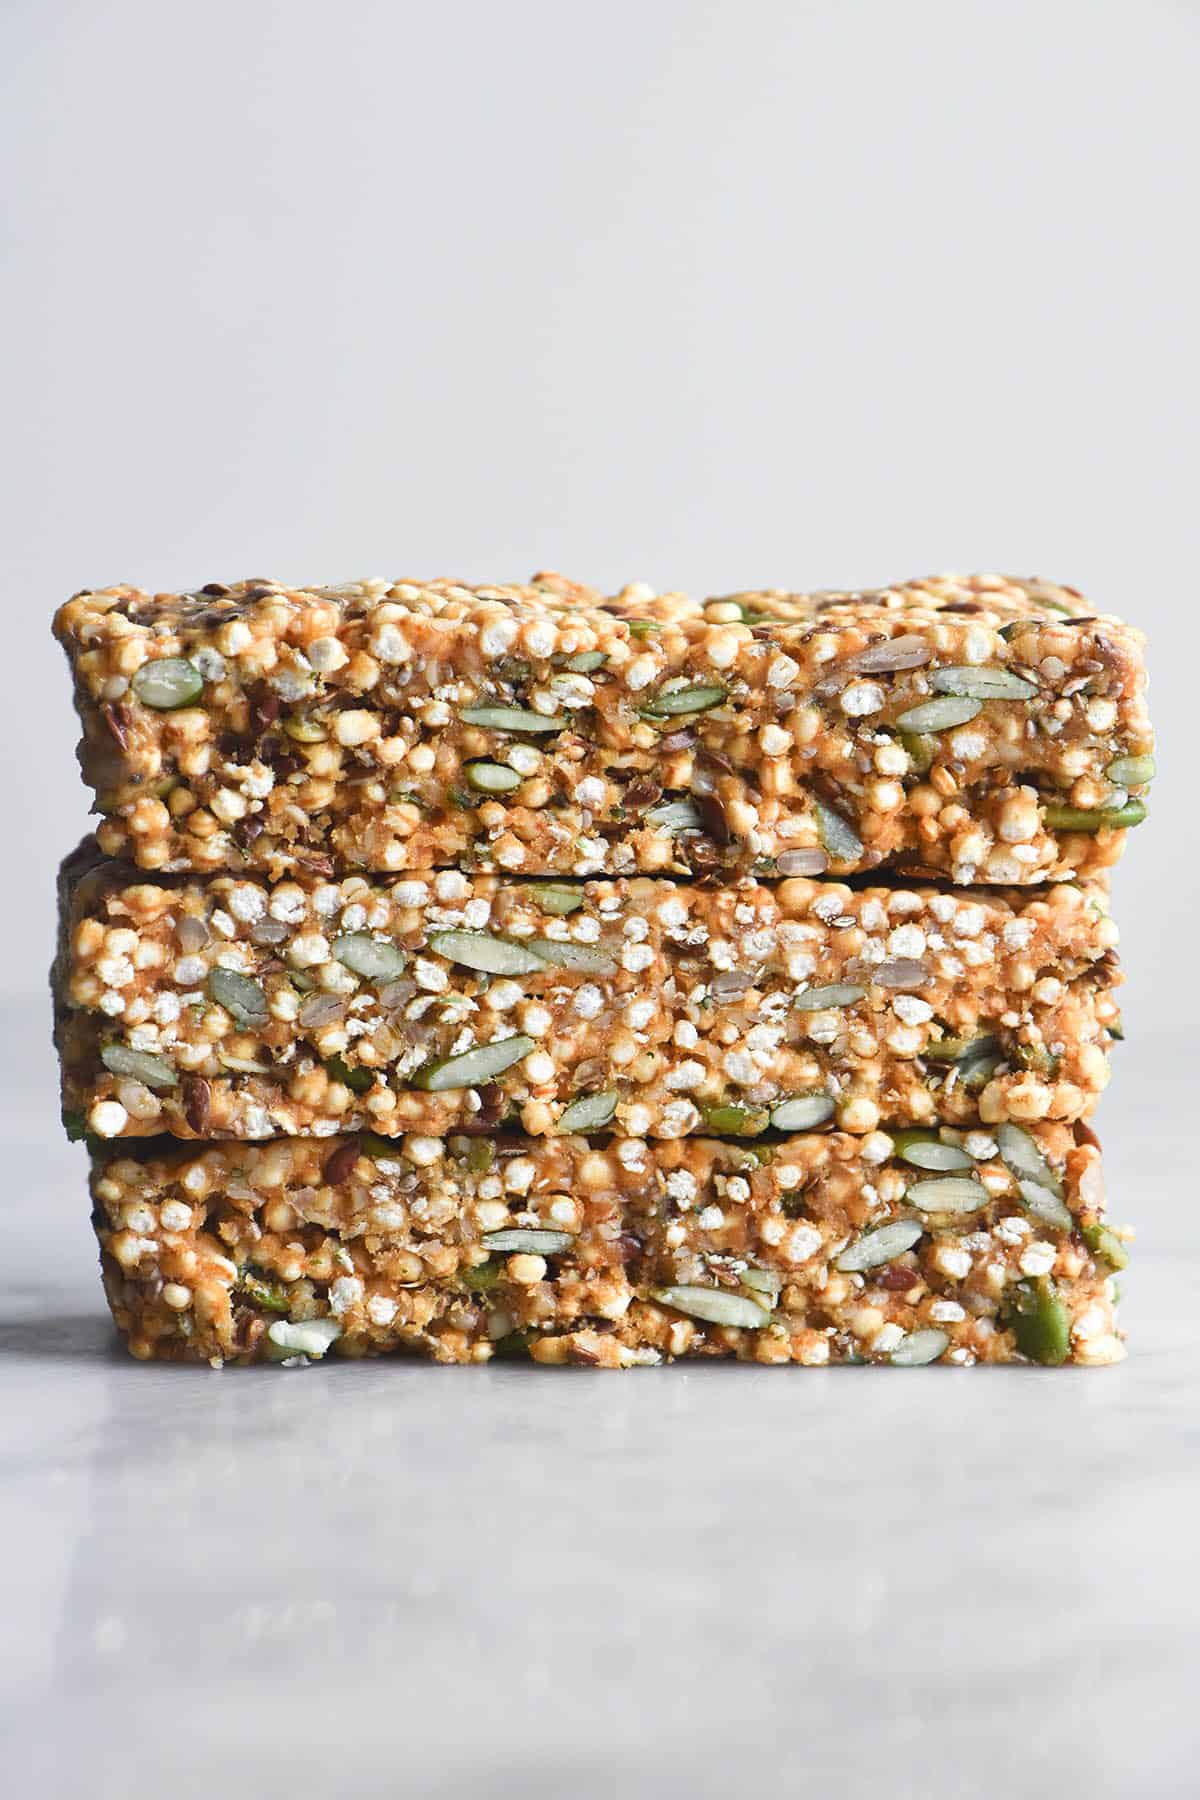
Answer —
(242, 998)
(169, 683)
(821, 999)
(1098, 818)
(1105, 1243)
(139, 1065)
(592, 959)
(1040, 1323)
(310, 1337)
(555, 899)
(586, 663)
(510, 718)
(878, 1247)
(1021, 1156)
(975, 1073)
(489, 955)
(924, 1151)
(303, 729)
(532, 1242)
(1130, 771)
(474, 1068)
(1045, 1205)
(948, 1194)
(375, 959)
(981, 683)
(642, 627)
(801, 1112)
(358, 1080)
(492, 778)
(921, 750)
(700, 697)
(373, 1145)
(589, 1113)
(940, 715)
(673, 816)
(732, 1120)
(837, 835)
(959, 1049)
(272, 1296)
(919, 1348)
(716, 1306)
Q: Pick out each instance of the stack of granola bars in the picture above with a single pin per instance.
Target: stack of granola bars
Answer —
(521, 971)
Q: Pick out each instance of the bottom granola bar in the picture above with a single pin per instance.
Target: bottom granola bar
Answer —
(923, 1246)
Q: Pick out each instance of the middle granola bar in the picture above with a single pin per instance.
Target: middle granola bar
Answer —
(230, 1007)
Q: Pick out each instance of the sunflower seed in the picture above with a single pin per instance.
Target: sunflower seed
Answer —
(375, 959)
(763, 1281)
(1130, 771)
(589, 1113)
(922, 1152)
(881, 1246)
(310, 1337)
(510, 718)
(473, 1067)
(1045, 1205)
(170, 682)
(837, 834)
(716, 1306)
(320, 1009)
(1020, 1154)
(242, 998)
(674, 816)
(699, 697)
(906, 652)
(901, 972)
(1099, 818)
(489, 955)
(530, 1241)
(817, 999)
(802, 862)
(592, 959)
(919, 1348)
(152, 1071)
(948, 1194)
(554, 899)
(801, 1112)
(939, 715)
(981, 683)
(492, 778)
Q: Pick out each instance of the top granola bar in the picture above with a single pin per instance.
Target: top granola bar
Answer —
(973, 729)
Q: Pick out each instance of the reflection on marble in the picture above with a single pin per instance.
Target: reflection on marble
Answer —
(387, 1578)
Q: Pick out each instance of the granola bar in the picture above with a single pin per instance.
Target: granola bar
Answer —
(976, 729)
(233, 1007)
(904, 1249)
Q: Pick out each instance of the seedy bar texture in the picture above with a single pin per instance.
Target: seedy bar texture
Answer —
(976, 729)
(228, 1007)
(814, 1249)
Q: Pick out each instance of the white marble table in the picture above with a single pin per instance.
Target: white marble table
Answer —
(390, 1579)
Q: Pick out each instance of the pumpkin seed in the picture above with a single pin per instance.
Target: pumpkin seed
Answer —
(303, 729)
(921, 750)
(1021, 1156)
(800, 1112)
(489, 955)
(1045, 1205)
(1105, 1243)
(732, 1120)
(716, 1306)
(881, 1246)
(959, 1049)
(941, 714)
(924, 1151)
(920, 1348)
(586, 662)
(473, 1068)
(242, 998)
(1040, 1323)
(589, 1113)
(492, 778)
(309, 1337)
(358, 1080)
(948, 1194)
(510, 718)
(699, 697)
(269, 1294)
(592, 959)
(820, 999)
(763, 1281)
(169, 683)
(837, 834)
(139, 1065)
(981, 682)
(375, 959)
(555, 899)
(1130, 771)
(531, 1241)
(1098, 818)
